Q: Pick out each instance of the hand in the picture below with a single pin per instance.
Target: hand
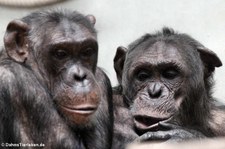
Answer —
(172, 133)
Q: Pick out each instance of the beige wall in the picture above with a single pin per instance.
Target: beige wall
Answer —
(121, 21)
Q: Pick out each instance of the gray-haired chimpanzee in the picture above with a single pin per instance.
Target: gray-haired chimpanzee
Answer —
(165, 81)
(51, 90)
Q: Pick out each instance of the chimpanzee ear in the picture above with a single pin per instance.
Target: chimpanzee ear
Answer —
(210, 60)
(15, 40)
(91, 18)
(119, 62)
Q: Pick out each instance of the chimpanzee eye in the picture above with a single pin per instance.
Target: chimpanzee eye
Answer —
(88, 52)
(143, 75)
(170, 73)
(60, 54)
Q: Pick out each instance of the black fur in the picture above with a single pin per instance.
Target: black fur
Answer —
(28, 113)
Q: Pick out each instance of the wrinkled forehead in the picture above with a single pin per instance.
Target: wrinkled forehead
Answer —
(155, 53)
(68, 31)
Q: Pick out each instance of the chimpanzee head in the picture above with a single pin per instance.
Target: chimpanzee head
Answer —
(163, 75)
(61, 48)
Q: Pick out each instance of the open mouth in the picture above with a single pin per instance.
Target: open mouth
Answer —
(146, 123)
(81, 109)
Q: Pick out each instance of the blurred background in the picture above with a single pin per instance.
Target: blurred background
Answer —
(119, 22)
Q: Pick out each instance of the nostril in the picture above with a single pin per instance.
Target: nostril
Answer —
(155, 94)
(80, 78)
(155, 90)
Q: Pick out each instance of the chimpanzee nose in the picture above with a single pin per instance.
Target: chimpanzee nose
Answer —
(80, 77)
(78, 74)
(155, 90)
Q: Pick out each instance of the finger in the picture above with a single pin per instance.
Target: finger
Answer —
(168, 125)
(155, 136)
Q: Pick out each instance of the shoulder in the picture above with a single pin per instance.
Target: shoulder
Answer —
(6, 75)
(217, 121)
(102, 78)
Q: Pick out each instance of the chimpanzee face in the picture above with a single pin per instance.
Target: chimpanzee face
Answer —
(156, 78)
(68, 55)
(153, 81)
(72, 62)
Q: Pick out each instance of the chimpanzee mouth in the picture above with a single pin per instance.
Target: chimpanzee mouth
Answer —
(146, 123)
(81, 109)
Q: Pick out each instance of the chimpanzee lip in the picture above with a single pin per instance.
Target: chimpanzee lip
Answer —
(80, 109)
(148, 123)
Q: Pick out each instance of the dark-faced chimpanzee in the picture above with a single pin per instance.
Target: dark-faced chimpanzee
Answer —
(51, 90)
(165, 82)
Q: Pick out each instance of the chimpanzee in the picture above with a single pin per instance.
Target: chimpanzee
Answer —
(165, 82)
(51, 90)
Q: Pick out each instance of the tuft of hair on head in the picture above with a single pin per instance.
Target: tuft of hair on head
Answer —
(166, 31)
